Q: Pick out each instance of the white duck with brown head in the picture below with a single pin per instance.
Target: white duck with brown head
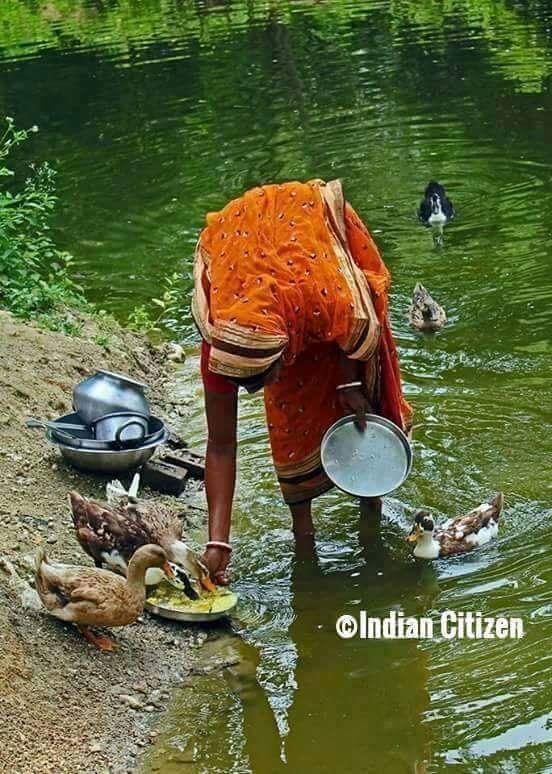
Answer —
(456, 536)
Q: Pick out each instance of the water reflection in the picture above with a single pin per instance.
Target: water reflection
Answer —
(382, 726)
(351, 701)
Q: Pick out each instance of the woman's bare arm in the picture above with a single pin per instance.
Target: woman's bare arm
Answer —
(353, 400)
(220, 475)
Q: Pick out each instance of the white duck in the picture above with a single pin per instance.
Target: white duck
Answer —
(458, 535)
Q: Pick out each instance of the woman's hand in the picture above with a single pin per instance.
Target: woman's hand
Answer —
(354, 401)
(217, 560)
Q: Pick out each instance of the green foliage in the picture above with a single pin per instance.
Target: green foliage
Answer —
(103, 340)
(168, 307)
(34, 273)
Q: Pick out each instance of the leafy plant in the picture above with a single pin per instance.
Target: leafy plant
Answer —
(34, 273)
(169, 305)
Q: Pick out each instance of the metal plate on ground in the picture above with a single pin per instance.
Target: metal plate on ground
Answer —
(187, 614)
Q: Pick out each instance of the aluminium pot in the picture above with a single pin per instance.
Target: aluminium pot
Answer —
(84, 439)
(122, 426)
(107, 460)
(108, 393)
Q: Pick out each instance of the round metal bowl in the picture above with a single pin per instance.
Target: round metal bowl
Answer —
(84, 439)
(121, 426)
(107, 460)
(370, 463)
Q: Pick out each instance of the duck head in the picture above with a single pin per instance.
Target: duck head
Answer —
(424, 525)
(425, 313)
(190, 564)
(148, 557)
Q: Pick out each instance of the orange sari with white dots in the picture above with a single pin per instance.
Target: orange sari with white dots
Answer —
(289, 271)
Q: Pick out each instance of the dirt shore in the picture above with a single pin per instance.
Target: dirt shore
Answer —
(64, 706)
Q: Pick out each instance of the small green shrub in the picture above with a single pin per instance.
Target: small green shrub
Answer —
(169, 305)
(34, 273)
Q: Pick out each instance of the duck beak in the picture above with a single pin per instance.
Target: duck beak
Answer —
(169, 572)
(207, 583)
(414, 535)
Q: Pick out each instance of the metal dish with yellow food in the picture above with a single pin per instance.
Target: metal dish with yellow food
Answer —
(168, 601)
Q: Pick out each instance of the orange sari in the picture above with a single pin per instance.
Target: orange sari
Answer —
(289, 271)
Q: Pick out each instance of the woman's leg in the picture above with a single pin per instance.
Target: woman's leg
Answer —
(302, 520)
(370, 521)
(370, 508)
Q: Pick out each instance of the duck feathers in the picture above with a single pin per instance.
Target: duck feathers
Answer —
(104, 530)
(86, 595)
(469, 531)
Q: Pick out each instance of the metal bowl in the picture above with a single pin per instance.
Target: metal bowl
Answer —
(122, 426)
(85, 438)
(105, 393)
(370, 463)
(107, 460)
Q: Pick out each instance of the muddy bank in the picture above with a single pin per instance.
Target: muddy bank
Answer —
(64, 706)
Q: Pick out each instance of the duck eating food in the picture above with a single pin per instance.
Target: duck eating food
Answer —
(456, 536)
(111, 534)
(425, 314)
(88, 596)
(435, 209)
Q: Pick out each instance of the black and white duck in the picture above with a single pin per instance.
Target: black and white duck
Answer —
(436, 209)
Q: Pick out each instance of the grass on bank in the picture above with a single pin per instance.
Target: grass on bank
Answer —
(35, 283)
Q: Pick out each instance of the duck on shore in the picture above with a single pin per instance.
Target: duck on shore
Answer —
(435, 209)
(111, 533)
(424, 313)
(89, 596)
(458, 535)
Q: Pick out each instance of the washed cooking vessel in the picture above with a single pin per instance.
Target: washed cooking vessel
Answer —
(108, 393)
(107, 460)
(121, 426)
(66, 430)
(366, 463)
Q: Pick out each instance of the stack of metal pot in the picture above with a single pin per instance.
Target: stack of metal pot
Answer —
(111, 429)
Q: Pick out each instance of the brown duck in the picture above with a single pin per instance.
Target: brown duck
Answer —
(111, 534)
(88, 596)
(458, 535)
(425, 314)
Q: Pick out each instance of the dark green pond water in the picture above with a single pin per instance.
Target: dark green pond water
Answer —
(157, 111)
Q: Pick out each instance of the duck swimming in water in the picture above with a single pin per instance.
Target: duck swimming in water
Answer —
(425, 314)
(456, 536)
(435, 209)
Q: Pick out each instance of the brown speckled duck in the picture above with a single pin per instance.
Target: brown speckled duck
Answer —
(425, 314)
(88, 596)
(111, 533)
(458, 535)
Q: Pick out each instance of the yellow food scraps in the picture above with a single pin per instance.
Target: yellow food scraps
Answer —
(166, 595)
